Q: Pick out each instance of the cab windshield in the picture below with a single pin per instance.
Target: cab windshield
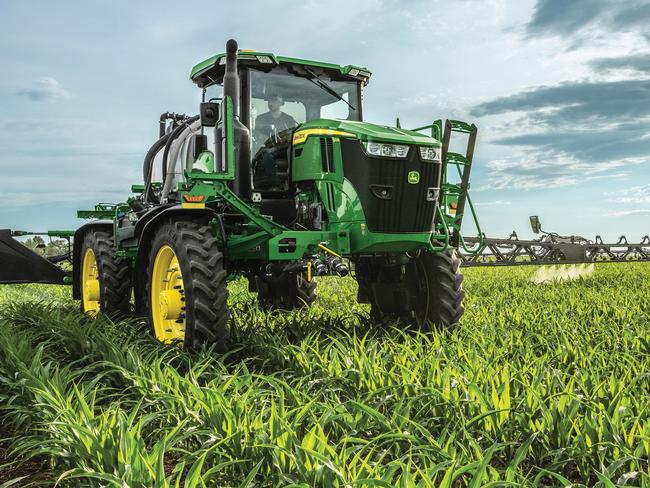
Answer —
(280, 100)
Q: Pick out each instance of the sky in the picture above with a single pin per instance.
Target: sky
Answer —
(560, 92)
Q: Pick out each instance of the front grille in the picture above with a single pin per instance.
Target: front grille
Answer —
(407, 209)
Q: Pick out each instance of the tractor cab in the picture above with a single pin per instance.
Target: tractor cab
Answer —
(276, 96)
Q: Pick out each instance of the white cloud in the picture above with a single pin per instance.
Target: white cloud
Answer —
(26, 199)
(635, 194)
(45, 89)
(530, 169)
(493, 203)
(624, 213)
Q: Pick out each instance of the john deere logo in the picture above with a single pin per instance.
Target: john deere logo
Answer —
(414, 177)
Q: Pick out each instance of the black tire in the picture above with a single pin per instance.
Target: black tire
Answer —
(427, 292)
(204, 280)
(115, 276)
(285, 292)
(445, 289)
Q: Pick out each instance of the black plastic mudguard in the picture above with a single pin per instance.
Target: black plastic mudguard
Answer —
(19, 264)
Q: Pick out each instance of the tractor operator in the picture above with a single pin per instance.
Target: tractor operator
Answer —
(269, 125)
(274, 118)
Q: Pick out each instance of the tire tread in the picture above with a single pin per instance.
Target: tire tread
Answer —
(115, 274)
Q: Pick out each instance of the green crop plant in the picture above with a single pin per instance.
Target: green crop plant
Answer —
(544, 385)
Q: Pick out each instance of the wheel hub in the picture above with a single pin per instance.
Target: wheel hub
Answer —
(171, 303)
(92, 290)
(167, 296)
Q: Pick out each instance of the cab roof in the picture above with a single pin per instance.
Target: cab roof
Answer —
(211, 70)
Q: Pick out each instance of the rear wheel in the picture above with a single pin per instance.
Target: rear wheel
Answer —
(105, 279)
(426, 291)
(186, 286)
(285, 292)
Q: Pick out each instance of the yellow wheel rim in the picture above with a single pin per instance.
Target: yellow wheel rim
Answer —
(167, 297)
(90, 283)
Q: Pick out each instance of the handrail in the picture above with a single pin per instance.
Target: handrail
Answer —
(475, 218)
(436, 129)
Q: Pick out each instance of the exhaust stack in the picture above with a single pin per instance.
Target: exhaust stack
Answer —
(231, 77)
(231, 82)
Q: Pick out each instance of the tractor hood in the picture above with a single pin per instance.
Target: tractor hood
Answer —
(366, 131)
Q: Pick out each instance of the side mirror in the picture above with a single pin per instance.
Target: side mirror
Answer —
(209, 113)
(535, 224)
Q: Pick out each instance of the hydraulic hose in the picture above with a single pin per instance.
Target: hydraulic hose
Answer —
(174, 134)
(176, 148)
(147, 166)
(180, 142)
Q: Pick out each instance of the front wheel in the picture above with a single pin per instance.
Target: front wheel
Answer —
(426, 291)
(186, 286)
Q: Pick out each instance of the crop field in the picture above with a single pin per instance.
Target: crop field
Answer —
(543, 385)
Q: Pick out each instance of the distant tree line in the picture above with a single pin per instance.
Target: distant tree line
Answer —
(51, 248)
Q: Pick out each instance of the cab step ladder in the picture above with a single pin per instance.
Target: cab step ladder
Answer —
(452, 192)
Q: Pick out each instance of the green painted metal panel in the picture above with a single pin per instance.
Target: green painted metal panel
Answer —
(60, 233)
(310, 162)
(366, 131)
(101, 211)
(252, 55)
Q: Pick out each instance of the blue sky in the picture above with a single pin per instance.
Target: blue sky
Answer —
(560, 92)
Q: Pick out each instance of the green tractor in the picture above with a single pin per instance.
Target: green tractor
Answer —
(278, 180)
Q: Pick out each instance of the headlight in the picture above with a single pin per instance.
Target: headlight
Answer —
(386, 150)
(430, 153)
(264, 59)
